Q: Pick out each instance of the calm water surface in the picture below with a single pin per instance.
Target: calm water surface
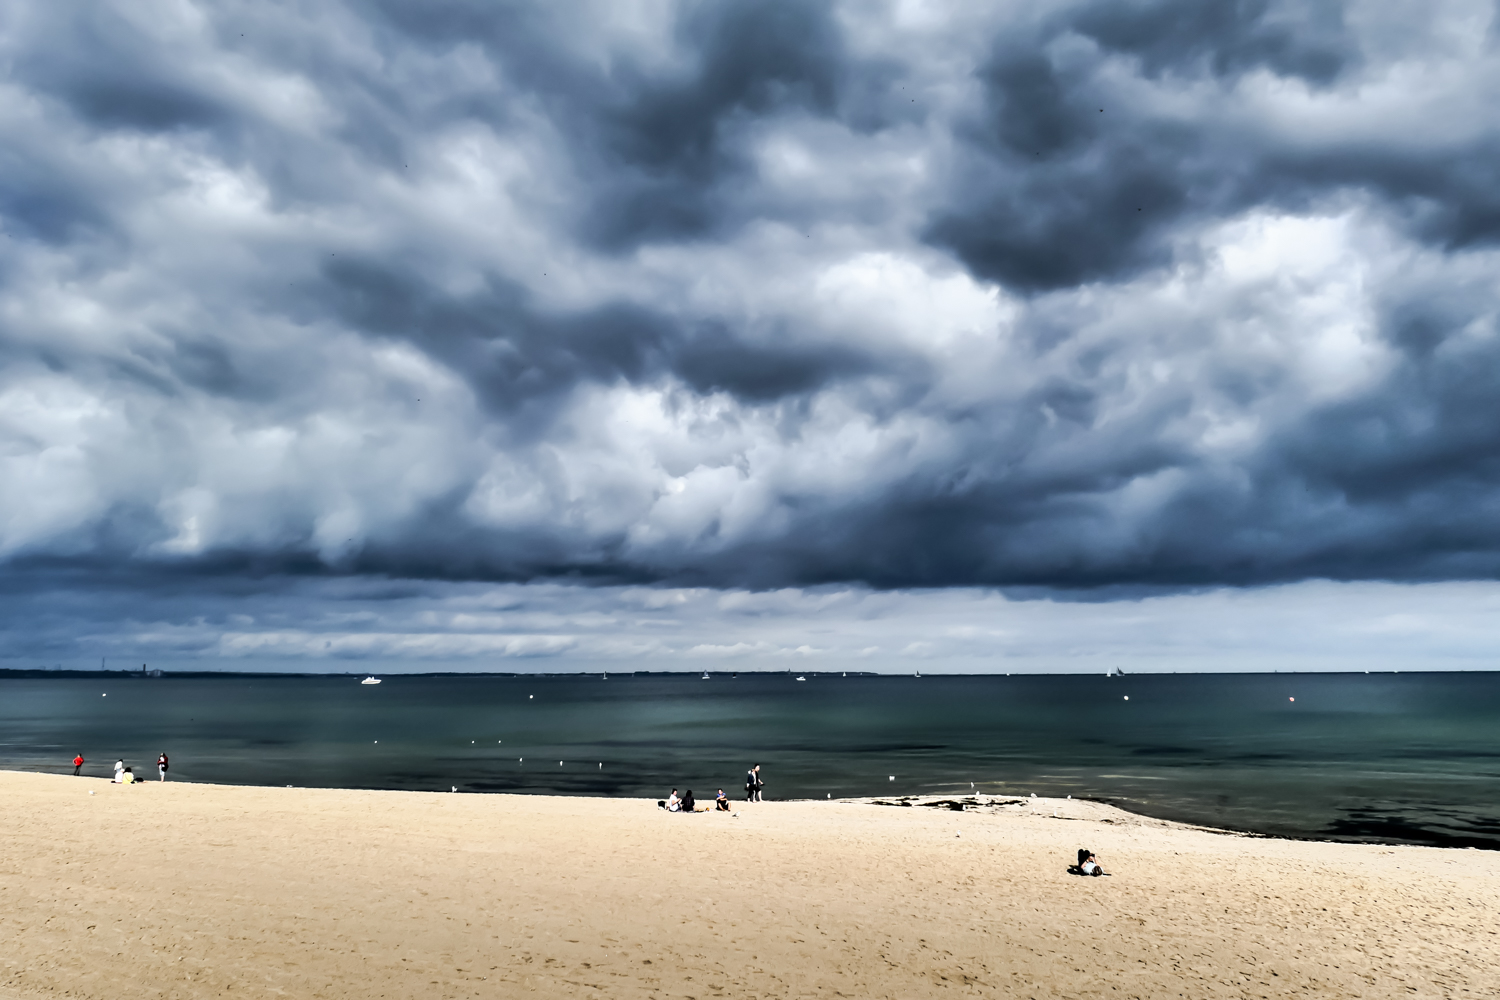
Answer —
(1409, 758)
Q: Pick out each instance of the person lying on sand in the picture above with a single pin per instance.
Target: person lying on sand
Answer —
(1088, 864)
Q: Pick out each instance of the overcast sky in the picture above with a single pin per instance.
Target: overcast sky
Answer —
(543, 336)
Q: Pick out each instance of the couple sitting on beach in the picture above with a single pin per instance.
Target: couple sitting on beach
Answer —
(688, 804)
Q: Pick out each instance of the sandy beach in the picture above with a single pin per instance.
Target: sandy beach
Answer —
(182, 890)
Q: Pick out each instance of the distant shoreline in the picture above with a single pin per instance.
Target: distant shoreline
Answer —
(1099, 810)
(1038, 807)
(163, 673)
(1034, 807)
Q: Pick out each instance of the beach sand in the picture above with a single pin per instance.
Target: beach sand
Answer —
(183, 890)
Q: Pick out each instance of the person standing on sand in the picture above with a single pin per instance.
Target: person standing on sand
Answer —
(753, 784)
(77, 764)
(119, 770)
(161, 766)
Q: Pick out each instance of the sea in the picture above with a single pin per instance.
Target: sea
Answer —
(1409, 758)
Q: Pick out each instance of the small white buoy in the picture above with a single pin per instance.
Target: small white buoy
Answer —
(520, 760)
(377, 741)
(1127, 697)
(530, 696)
(559, 763)
(1291, 699)
(893, 777)
(471, 741)
(104, 696)
(601, 765)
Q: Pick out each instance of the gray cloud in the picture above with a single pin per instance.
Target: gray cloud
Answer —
(354, 624)
(1155, 295)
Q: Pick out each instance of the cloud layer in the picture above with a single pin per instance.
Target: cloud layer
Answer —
(752, 296)
(355, 624)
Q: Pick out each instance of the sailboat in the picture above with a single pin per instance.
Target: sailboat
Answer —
(371, 680)
(705, 675)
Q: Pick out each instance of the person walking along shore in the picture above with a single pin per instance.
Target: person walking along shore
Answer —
(77, 765)
(753, 784)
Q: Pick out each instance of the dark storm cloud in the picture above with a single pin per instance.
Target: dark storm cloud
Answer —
(654, 143)
(666, 141)
(102, 67)
(1073, 179)
(1087, 296)
(1308, 41)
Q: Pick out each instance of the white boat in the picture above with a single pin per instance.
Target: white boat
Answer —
(705, 675)
(370, 680)
(801, 678)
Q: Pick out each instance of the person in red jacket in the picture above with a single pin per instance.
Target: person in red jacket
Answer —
(77, 765)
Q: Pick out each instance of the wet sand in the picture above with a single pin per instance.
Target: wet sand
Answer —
(202, 891)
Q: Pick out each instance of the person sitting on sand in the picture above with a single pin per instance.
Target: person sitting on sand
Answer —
(689, 804)
(128, 778)
(674, 804)
(721, 802)
(1088, 864)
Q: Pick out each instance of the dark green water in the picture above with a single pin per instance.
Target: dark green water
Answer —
(1411, 758)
